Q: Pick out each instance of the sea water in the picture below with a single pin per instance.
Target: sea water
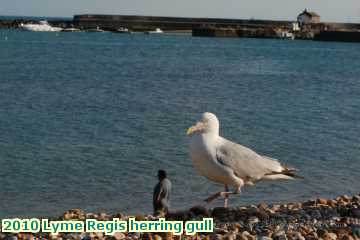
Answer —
(87, 119)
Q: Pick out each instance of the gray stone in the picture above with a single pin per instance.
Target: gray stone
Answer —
(329, 236)
(355, 212)
(199, 211)
(356, 231)
(356, 199)
(216, 237)
(280, 235)
(297, 236)
(265, 238)
(10, 238)
(253, 220)
(316, 214)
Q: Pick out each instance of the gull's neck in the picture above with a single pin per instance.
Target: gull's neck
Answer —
(212, 136)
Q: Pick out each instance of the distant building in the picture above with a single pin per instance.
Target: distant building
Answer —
(308, 17)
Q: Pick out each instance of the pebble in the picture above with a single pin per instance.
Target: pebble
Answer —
(276, 207)
(296, 236)
(147, 236)
(346, 198)
(331, 203)
(265, 238)
(103, 217)
(280, 237)
(91, 216)
(119, 236)
(10, 238)
(166, 235)
(216, 237)
(356, 198)
(246, 236)
(263, 206)
(322, 201)
(356, 231)
(347, 237)
(355, 212)
(253, 220)
(278, 233)
(157, 237)
(316, 214)
(329, 236)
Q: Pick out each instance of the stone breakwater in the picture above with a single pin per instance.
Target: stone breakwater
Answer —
(315, 219)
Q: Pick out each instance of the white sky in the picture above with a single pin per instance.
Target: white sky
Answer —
(330, 10)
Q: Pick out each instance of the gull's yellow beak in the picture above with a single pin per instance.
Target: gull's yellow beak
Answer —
(191, 130)
(198, 127)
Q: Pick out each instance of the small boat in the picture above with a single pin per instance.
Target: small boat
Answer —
(287, 35)
(157, 31)
(71, 30)
(42, 26)
(122, 30)
(97, 29)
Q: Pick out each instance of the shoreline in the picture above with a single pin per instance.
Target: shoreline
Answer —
(330, 219)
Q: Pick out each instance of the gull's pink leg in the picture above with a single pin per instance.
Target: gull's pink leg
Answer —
(222, 194)
(226, 196)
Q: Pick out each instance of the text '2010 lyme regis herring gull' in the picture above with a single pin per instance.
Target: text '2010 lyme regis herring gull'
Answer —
(229, 163)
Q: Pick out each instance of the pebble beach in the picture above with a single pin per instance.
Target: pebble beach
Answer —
(328, 219)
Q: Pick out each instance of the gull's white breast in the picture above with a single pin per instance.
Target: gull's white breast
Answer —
(203, 156)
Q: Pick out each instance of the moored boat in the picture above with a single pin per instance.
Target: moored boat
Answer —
(286, 35)
(157, 31)
(71, 30)
(97, 29)
(122, 30)
(42, 26)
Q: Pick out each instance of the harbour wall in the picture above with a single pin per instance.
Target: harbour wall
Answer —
(338, 36)
(135, 22)
(205, 27)
(166, 23)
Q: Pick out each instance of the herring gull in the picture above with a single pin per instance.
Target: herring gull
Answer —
(229, 163)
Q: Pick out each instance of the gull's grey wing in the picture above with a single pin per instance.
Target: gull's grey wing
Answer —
(245, 163)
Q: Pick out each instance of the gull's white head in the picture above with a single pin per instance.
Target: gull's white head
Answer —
(209, 123)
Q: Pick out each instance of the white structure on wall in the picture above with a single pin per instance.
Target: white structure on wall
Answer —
(295, 27)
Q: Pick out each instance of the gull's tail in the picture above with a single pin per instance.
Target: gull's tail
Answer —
(286, 173)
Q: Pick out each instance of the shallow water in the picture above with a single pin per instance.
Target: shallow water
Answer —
(87, 119)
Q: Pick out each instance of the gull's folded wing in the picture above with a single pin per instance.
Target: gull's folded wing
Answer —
(245, 163)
